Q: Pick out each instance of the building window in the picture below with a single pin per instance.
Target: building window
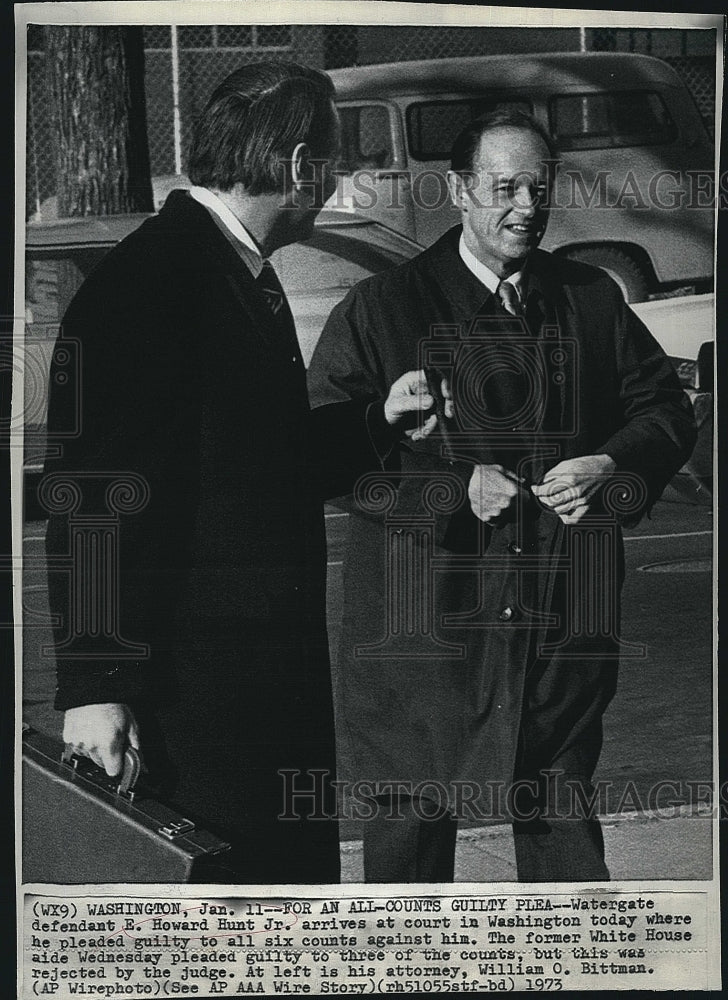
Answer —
(156, 36)
(194, 36)
(220, 36)
(274, 36)
(234, 36)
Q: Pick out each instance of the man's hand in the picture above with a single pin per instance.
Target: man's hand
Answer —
(569, 488)
(101, 732)
(493, 491)
(409, 394)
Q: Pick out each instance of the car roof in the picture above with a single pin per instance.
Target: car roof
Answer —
(620, 70)
(107, 230)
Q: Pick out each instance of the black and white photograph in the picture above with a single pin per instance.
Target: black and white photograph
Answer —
(364, 498)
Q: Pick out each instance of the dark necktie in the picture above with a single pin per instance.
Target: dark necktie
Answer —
(508, 395)
(270, 287)
(268, 283)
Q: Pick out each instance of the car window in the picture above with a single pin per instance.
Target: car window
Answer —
(52, 278)
(432, 126)
(366, 137)
(617, 118)
(44, 285)
(49, 285)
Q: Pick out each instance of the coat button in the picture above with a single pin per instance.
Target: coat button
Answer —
(514, 549)
(506, 614)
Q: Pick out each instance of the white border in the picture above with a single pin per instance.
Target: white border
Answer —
(312, 12)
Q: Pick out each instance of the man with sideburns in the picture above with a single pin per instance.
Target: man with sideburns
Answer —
(568, 421)
(196, 427)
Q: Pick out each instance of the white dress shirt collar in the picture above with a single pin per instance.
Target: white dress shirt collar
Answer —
(244, 242)
(484, 274)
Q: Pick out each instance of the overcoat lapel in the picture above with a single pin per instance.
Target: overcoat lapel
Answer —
(181, 209)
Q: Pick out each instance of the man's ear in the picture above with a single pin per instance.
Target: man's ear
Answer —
(300, 167)
(457, 191)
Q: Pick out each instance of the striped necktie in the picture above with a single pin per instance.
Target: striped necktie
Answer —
(268, 283)
(508, 294)
(271, 289)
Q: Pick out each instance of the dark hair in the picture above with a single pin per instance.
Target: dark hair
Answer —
(466, 145)
(254, 120)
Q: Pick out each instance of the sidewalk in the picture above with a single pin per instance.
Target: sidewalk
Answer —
(639, 846)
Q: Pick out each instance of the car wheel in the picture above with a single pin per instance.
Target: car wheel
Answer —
(619, 265)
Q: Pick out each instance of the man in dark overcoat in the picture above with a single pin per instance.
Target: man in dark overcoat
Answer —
(481, 610)
(193, 623)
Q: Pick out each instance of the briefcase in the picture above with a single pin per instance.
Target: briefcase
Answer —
(81, 826)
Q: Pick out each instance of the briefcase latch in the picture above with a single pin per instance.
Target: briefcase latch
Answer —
(173, 830)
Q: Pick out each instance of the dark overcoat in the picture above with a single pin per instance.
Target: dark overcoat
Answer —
(192, 400)
(471, 653)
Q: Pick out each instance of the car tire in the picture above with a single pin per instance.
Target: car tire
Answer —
(619, 265)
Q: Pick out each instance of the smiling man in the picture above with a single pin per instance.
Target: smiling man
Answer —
(568, 417)
(501, 185)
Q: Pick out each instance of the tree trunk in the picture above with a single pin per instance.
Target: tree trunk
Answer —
(96, 81)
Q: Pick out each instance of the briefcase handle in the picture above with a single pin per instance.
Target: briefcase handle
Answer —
(130, 771)
(131, 768)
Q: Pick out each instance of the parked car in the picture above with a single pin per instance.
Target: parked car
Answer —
(685, 328)
(631, 139)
